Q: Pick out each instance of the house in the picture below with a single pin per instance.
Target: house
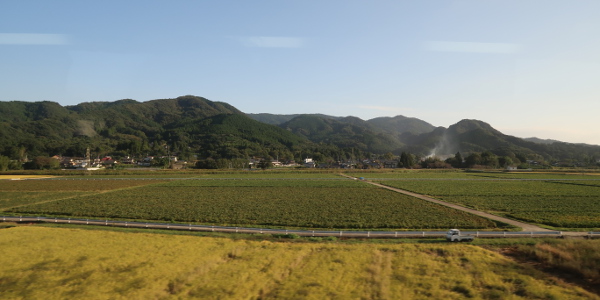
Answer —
(309, 163)
(390, 164)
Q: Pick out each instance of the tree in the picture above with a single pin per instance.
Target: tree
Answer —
(265, 163)
(406, 160)
(161, 162)
(505, 161)
(4, 163)
(388, 156)
(489, 159)
(459, 160)
(472, 160)
(42, 162)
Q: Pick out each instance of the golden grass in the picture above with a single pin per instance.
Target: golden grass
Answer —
(20, 177)
(60, 263)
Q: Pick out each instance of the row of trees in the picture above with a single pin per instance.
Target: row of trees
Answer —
(485, 159)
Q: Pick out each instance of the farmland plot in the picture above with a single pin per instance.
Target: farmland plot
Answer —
(19, 193)
(273, 203)
(566, 204)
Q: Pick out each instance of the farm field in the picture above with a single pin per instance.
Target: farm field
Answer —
(457, 174)
(292, 203)
(23, 192)
(558, 202)
(46, 263)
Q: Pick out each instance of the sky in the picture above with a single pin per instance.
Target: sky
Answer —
(528, 68)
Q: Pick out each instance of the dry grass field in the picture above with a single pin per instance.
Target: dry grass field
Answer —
(19, 177)
(59, 263)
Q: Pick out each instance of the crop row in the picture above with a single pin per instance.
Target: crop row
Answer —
(566, 204)
(314, 207)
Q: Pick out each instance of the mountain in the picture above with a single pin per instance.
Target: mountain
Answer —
(379, 135)
(469, 136)
(399, 125)
(541, 141)
(127, 127)
(195, 127)
(349, 132)
(274, 119)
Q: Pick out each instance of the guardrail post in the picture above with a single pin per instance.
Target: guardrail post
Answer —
(236, 230)
(423, 233)
(368, 234)
(477, 233)
(313, 233)
(286, 232)
(395, 234)
(87, 222)
(340, 233)
(213, 228)
(504, 233)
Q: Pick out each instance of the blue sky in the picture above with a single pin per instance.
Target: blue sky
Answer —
(529, 68)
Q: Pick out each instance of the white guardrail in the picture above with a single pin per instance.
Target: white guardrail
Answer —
(310, 233)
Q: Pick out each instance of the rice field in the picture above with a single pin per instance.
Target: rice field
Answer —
(59, 263)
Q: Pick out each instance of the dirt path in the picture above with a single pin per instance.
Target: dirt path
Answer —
(524, 226)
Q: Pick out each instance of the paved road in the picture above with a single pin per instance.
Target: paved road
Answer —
(308, 233)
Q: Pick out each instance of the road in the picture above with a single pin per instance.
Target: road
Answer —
(306, 233)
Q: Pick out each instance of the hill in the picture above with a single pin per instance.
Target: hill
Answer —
(469, 136)
(194, 127)
(274, 119)
(189, 125)
(349, 132)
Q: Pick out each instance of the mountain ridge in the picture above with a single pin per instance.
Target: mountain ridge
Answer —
(191, 124)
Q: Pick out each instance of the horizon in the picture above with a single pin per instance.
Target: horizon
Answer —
(526, 68)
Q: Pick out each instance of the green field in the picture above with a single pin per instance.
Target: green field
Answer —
(325, 203)
(562, 204)
(295, 199)
(59, 263)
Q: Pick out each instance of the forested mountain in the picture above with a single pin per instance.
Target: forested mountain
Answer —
(468, 136)
(189, 125)
(196, 128)
(347, 132)
(274, 119)
(399, 125)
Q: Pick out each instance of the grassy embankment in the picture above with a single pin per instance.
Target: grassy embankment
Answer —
(58, 263)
